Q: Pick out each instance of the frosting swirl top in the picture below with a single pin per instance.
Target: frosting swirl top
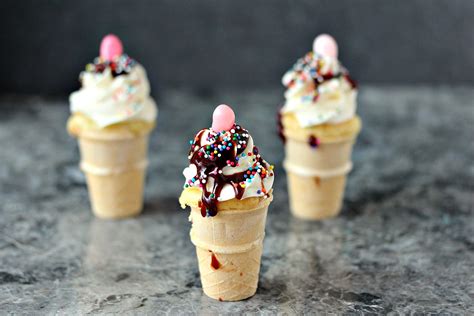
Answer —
(226, 165)
(319, 90)
(114, 91)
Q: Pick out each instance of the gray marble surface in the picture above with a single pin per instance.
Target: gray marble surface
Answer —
(403, 243)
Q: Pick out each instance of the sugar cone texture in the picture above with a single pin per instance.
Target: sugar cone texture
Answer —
(235, 279)
(115, 171)
(315, 198)
(229, 247)
(114, 159)
(317, 175)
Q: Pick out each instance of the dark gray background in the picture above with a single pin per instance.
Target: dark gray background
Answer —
(211, 44)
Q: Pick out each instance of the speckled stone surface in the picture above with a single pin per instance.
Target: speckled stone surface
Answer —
(403, 243)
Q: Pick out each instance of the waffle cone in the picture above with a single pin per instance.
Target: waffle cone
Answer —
(115, 170)
(229, 247)
(317, 176)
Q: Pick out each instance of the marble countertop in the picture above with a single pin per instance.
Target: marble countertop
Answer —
(403, 243)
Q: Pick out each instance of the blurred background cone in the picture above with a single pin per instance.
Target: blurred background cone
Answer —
(317, 168)
(115, 166)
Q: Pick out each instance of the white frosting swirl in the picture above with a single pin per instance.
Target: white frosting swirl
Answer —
(255, 187)
(109, 100)
(333, 102)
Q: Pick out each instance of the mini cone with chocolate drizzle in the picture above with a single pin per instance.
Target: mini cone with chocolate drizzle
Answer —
(228, 235)
(318, 158)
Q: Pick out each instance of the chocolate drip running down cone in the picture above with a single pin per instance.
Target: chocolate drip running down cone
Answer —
(317, 174)
(318, 126)
(228, 188)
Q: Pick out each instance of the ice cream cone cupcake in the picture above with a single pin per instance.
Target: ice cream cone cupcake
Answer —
(112, 116)
(319, 126)
(228, 188)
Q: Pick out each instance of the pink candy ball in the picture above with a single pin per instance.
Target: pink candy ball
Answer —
(110, 47)
(223, 118)
(325, 45)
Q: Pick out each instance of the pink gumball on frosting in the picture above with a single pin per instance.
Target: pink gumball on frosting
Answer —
(110, 47)
(223, 118)
(325, 45)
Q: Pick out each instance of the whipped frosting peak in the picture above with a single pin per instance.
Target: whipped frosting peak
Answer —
(114, 92)
(226, 165)
(319, 91)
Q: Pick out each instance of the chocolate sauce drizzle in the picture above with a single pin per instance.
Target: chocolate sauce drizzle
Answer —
(309, 65)
(224, 149)
(215, 264)
(121, 66)
(313, 141)
(280, 127)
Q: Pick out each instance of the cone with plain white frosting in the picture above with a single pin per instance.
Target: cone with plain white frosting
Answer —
(319, 125)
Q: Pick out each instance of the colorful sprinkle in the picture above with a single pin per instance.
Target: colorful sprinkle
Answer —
(224, 149)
